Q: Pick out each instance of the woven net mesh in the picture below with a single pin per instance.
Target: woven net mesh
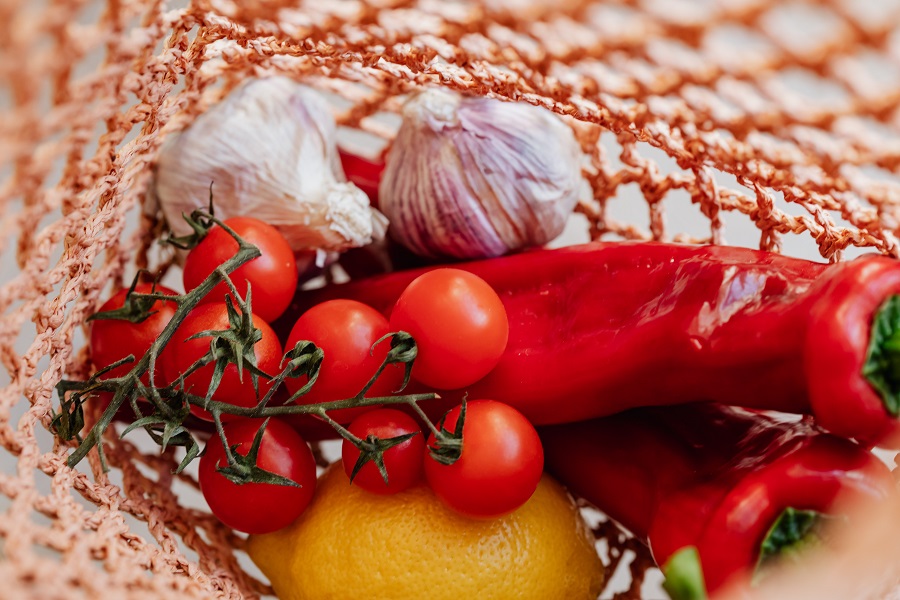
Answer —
(778, 117)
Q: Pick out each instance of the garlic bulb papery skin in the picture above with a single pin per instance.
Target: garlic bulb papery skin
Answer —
(476, 177)
(269, 150)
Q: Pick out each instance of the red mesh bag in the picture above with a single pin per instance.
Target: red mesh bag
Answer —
(776, 123)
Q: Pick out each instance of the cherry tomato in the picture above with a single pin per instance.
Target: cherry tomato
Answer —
(500, 464)
(459, 324)
(114, 339)
(259, 507)
(346, 331)
(403, 461)
(234, 388)
(272, 276)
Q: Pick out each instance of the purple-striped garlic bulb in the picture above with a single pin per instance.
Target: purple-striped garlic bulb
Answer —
(471, 177)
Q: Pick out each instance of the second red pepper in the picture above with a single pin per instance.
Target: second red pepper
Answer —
(710, 477)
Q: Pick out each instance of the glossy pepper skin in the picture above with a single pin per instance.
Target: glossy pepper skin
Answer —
(709, 476)
(603, 327)
(364, 172)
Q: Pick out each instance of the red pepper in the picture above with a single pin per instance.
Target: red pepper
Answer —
(711, 477)
(603, 327)
(364, 172)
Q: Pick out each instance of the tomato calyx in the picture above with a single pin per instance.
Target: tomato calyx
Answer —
(372, 449)
(448, 445)
(137, 307)
(303, 360)
(403, 351)
(68, 423)
(201, 222)
(173, 432)
(233, 345)
(242, 469)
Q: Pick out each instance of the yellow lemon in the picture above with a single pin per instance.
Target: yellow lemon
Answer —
(353, 544)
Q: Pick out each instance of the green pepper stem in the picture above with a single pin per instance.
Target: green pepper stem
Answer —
(792, 532)
(882, 362)
(684, 575)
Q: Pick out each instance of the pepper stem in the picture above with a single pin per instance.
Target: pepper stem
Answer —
(791, 534)
(684, 575)
(882, 364)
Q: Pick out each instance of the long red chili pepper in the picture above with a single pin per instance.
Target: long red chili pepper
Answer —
(736, 486)
(603, 327)
(364, 172)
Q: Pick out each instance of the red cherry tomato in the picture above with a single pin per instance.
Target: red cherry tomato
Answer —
(500, 464)
(272, 276)
(459, 324)
(234, 388)
(114, 339)
(403, 461)
(346, 331)
(259, 507)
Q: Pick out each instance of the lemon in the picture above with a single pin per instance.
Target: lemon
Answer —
(353, 544)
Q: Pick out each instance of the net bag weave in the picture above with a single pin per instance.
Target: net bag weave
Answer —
(778, 122)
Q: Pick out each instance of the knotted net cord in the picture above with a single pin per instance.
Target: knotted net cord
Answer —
(781, 117)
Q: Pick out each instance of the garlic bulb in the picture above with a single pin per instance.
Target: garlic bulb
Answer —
(476, 177)
(269, 150)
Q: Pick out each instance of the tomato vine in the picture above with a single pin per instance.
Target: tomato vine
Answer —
(170, 404)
